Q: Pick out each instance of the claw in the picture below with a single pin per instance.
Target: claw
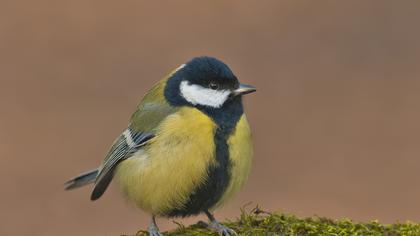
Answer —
(217, 227)
(154, 231)
(221, 229)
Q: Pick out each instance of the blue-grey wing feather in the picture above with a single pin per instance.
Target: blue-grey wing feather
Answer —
(124, 147)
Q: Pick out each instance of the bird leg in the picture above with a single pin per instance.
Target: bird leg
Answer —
(153, 228)
(215, 226)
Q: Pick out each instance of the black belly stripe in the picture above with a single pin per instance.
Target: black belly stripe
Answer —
(209, 193)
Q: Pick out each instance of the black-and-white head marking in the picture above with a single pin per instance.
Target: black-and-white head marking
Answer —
(199, 95)
(203, 81)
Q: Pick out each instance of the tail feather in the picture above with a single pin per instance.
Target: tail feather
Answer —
(81, 180)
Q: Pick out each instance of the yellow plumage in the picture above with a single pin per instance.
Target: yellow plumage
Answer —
(162, 176)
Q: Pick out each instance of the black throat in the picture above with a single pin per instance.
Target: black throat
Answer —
(206, 195)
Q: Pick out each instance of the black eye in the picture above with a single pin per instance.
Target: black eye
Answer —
(213, 86)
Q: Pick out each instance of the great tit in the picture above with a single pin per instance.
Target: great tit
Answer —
(187, 148)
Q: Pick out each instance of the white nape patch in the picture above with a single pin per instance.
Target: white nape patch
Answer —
(128, 138)
(180, 67)
(197, 94)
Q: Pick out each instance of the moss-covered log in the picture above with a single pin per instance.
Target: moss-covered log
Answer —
(258, 222)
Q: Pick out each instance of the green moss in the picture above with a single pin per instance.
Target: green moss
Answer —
(258, 222)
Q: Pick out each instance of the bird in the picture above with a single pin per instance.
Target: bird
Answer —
(187, 148)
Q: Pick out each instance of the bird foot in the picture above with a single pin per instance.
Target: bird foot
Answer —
(221, 229)
(154, 231)
(153, 228)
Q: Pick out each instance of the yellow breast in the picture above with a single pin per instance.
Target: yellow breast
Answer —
(163, 175)
(240, 153)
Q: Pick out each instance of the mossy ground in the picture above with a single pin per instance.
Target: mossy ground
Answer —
(258, 222)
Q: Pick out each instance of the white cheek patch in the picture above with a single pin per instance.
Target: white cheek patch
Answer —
(197, 94)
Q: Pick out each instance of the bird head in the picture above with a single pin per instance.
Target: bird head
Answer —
(205, 82)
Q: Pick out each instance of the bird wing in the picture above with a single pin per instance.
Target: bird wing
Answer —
(151, 111)
(124, 147)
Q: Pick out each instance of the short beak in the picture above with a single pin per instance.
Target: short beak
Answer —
(243, 89)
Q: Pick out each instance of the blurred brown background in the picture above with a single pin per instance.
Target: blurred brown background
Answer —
(335, 119)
